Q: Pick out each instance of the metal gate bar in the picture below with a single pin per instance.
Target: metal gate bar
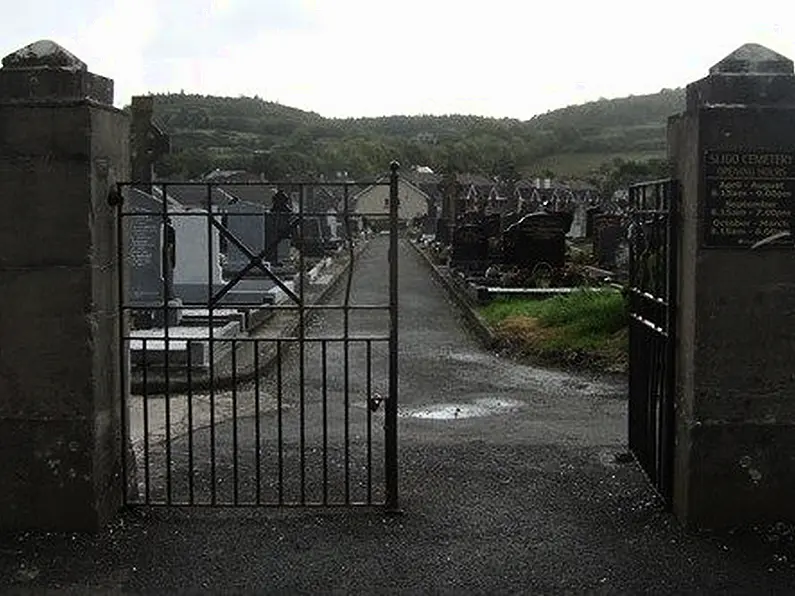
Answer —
(652, 329)
(194, 443)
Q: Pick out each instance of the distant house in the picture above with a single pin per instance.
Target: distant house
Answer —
(412, 201)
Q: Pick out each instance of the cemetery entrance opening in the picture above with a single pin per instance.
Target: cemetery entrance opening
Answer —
(257, 369)
(652, 325)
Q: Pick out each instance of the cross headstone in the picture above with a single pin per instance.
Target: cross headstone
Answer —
(148, 142)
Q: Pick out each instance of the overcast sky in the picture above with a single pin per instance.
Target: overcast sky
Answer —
(501, 58)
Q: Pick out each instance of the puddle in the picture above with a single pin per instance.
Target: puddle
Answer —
(479, 408)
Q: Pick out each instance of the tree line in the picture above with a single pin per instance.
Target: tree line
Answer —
(280, 142)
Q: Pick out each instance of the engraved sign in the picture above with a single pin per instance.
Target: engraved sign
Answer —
(748, 198)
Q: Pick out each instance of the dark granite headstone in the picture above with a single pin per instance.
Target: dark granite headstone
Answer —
(443, 232)
(590, 214)
(492, 225)
(509, 219)
(145, 249)
(565, 217)
(470, 248)
(246, 222)
(279, 229)
(150, 263)
(312, 240)
(536, 238)
(609, 233)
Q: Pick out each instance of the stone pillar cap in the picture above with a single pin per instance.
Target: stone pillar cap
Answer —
(46, 72)
(43, 54)
(753, 59)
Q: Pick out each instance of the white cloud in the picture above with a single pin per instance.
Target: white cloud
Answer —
(113, 42)
(369, 57)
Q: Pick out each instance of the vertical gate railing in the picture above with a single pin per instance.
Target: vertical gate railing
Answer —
(257, 403)
(652, 329)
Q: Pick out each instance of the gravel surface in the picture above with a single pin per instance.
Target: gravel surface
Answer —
(513, 480)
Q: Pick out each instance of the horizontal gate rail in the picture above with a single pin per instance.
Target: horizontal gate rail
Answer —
(652, 329)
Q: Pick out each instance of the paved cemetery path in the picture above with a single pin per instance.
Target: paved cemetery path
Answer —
(520, 493)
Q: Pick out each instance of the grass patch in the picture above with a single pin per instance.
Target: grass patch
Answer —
(585, 328)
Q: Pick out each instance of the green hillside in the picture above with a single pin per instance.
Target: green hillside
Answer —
(279, 141)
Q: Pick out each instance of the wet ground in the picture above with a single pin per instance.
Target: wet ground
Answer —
(509, 477)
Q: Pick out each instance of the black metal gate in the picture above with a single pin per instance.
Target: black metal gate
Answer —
(652, 329)
(256, 370)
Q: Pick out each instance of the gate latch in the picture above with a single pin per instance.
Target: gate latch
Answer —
(374, 402)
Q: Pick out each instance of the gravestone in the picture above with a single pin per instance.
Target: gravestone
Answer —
(312, 241)
(148, 143)
(145, 249)
(470, 248)
(590, 214)
(197, 269)
(443, 232)
(609, 235)
(492, 228)
(492, 225)
(150, 252)
(279, 230)
(509, 219)
(246, 222)
(430, 222)
(534, 239)
(331, 229)
(578, 224)
(565, 217)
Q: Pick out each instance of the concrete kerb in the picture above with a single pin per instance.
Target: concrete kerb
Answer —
(476, 323)
(223, 379)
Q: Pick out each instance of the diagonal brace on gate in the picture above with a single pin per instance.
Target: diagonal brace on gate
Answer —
(255, 262)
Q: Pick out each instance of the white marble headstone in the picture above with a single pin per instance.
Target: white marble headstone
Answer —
(195, 244)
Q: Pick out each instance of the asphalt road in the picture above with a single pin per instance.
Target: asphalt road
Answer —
(508, 484)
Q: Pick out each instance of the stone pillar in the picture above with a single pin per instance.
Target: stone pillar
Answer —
(62, 147)
(733, 150)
